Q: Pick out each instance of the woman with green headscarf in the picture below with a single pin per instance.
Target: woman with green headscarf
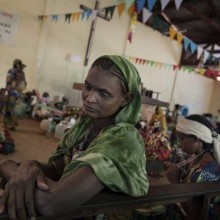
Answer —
(103, 149)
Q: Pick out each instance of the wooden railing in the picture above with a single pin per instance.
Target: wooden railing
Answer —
(108, 202)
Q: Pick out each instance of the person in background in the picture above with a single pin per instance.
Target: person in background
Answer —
(158, 121)
(202, 144)
(102, 150)
(15, 85)
(176, 113)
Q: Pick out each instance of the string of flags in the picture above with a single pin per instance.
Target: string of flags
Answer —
(213, 74)
(134, 7)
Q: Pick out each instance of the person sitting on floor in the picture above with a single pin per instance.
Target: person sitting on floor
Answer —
(158, 121)
(197, 138)
(102, 150)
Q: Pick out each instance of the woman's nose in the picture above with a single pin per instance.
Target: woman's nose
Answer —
(91, 97)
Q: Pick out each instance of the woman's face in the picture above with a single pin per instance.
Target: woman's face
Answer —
(188, 144)
(102, 94)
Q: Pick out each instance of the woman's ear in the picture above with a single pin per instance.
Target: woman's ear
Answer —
(127, 99)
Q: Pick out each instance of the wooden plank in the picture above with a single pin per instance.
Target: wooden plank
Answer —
(78, 86)
(155, 102)
(109, 202)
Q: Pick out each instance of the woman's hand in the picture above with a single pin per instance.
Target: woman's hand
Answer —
(7, 169)
(171, 172)
(20, 190)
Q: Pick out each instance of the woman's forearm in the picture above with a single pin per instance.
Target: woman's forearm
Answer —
(67, 194)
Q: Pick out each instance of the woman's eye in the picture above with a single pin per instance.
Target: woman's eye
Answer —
(104, 94)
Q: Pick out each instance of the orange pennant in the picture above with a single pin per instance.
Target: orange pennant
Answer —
(179, 37)
(131, 9)
(120, 8)
(78, 15)
(172, 33)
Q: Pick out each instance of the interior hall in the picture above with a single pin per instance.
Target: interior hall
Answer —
(47, 50)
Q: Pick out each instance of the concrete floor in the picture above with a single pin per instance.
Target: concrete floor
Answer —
(30, 143)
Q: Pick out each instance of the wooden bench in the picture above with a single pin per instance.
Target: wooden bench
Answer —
(108, 202)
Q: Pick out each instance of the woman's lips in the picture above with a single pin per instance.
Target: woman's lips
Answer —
(89, 109)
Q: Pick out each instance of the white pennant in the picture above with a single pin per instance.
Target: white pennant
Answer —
(146, 15)
(199, 52)
(206, 56)
(164, 4)
(178, 3)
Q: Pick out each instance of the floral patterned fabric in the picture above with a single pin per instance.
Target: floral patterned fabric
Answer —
(208, 171)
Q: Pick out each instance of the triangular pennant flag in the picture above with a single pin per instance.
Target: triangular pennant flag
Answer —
(131, 9)
(190, 69)
(94, 14)
(186, 43)
(120, 8)
(164, 27)
(206, 56)
(184, 68)
(130, 37)
(109, 10)
(146, 15)
(202, 71)
(45, 17)
(156, 22)
(54, 17)
(172, 33)
(151, 4)
(89, 12)
(140, 5)
(178, 3)
(40, 18)
(179, 37)
(136, 60)
(219, 65)
(164, 3)
(68, 17)
(73, 17)
(77, 15)
(83, 15)
(143, 62)
(199, 52)
(128, 3)
(193, 46)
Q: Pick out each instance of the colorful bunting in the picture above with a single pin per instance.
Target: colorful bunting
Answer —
(199, 52)
(193, 46)
(120, 8)
(164, 3)
(201, 71)
(186, 43)
(151, 4)
(172, 32)
(109, 10)
(179, 37)
(68, 17)
(128, 3)
(140, 5)
(178, 3)
(146, 15)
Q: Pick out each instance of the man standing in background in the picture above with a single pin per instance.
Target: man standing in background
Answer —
(15, 85)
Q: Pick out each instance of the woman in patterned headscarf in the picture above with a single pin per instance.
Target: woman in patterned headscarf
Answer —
(103, 149)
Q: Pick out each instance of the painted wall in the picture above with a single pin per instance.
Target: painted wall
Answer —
(44, 46)
(215, 100)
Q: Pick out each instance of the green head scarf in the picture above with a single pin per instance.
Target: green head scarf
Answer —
(131, 112)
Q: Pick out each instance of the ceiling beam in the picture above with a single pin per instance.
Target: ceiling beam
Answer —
(190, 7)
